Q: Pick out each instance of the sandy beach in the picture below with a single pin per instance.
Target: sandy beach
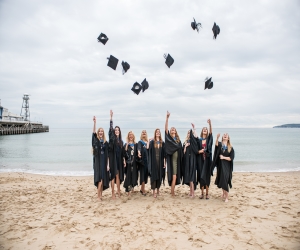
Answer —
(52, 212)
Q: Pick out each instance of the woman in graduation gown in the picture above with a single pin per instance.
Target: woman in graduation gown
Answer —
(116, 158)
(131, 164)
(189, 162)
(204, 159)
(157, 161)
(174, 154)
(143, 160)
(101, 164)
(223, 160)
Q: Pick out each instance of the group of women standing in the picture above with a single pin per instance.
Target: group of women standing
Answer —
(191, 163)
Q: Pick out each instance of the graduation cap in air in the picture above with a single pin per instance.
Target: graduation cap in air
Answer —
(112, 62)
(196, 25)
(216, 30)
(208, 83)
(145, 85)
(136, 88)
(125, 66)
(169, 60)
(102, 38)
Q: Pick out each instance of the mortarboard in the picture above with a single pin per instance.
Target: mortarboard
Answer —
(102, 38)
(208, 83)
(112, 62)
(216, 30)
(136, 88)
(125, 66)
(145, 85)
(196, 25)
(169, 60)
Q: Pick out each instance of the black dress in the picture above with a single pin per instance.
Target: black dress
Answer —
(204, 162)
(189, 165)
(143, 165)
(174, 158)
(131, 167)
(156, 164)
(224, 167)
(100, 152)
(116, 154)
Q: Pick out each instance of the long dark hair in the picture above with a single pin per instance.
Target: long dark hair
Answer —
(120, 136)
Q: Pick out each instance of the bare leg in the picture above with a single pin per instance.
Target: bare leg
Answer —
(154, 194)
(223, 194)
(226, 196)
(207, 196)
(192, 194)
(202, 193)
(99, 190)
(113, 196)
(118, 185)
(158, 192)
(173, 185)
(143, 187)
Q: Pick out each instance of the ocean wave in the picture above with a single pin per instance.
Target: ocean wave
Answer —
(53, 173)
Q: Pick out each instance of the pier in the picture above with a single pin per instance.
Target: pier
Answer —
(13, 124)
(17, 127)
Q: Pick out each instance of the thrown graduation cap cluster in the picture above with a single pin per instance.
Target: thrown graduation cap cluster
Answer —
(136, 88)
(113, 61)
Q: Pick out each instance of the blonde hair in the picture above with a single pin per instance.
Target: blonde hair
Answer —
(188, 136)
(141, 138)
(160, 139)
(127, 138)
(229, 146)
(176, 135)
(201, 135)
(103, 137)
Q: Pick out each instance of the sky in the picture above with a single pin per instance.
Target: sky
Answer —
(49, 50)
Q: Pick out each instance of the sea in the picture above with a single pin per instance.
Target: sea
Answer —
(68, 152)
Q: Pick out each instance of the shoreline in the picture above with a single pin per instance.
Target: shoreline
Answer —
(62, 212)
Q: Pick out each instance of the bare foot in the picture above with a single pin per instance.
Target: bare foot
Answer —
(154, 195)
(113, 197)
(226, 200)
(99, 199)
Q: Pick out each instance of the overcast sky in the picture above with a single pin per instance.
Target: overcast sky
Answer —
(49, 49)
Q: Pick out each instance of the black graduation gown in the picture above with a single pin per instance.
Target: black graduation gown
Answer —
(156, 171)
(100, 153)
(224, 167)
(143, 165)
(203, 170)
(170, 148)
(190, 163)
(131, 179)
(115, 155)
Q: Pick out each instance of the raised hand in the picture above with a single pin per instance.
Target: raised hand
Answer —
(218, 136)
(193, 125)
(168, 114)
(111, 113)
(209, 121)
(94, 118)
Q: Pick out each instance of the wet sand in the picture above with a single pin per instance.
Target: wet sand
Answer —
(55, 212)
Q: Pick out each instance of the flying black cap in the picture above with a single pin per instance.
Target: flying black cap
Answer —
(169, 60)
(196, 25)
(112, 62)
(145, 85)
(125, 66)
(216, 30)
(136, 88)
(208, 83)
(102, 38)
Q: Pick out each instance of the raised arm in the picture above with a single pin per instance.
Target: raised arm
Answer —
(217, 140)
(210, 128)
(167, 122)
(194, 130)
(111, 127)
(94, 128)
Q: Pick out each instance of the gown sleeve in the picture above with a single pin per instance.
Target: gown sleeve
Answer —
(215, 161)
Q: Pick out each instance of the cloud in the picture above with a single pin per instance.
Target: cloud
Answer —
(49, 49)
